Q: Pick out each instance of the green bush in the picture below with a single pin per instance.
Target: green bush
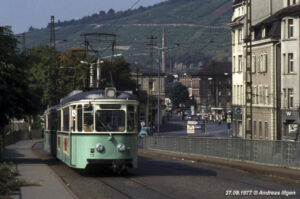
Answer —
(8, 180)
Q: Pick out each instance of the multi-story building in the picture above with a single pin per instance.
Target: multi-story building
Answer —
(290, 71)
(275, 77)
(210, 86)
(265, 77)
(237, 30)
(263, 54)
(148, 91)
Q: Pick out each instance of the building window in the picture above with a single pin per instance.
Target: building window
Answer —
(151, 85)
(263, 34)
(263, 63)
(240, 35)
(259, 94)
(255, 95)
(291, 2)
(290, 98)
(266, 130)
(233, 37)
(240, 64)
(267, 98)
(233, 64)
(254, 128)
(284, 98)
(290, 28)
(284, 63)
(260, 128)
(290, 63)
(258, 65)
(228, 92)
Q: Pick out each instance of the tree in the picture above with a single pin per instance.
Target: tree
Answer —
(16, 96)
(117, 74)
(111, 12)
(43, 63)
(178, 94)
(72, 74)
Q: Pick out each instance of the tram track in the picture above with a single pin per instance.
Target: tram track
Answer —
(133, 188)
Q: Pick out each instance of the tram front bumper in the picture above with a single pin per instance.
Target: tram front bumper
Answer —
(127, 162)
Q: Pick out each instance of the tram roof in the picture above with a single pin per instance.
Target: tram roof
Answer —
(96, 94)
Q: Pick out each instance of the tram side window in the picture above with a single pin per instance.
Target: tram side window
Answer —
(88, 118)
(130, 118)
(59, 120)
(73, 118)
(66, 119)
(79, 118)
(47, 122)
(52, 121)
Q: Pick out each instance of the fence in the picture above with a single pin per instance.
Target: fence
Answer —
(275, 153)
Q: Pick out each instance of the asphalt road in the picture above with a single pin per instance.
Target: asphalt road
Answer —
(166, 178)
(177, 127)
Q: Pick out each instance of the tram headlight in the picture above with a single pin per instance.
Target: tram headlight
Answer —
(122, 147)
(100, 147)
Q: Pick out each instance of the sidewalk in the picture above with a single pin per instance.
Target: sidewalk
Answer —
(32, 169)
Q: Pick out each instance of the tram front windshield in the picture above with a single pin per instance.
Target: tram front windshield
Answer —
(110, 120)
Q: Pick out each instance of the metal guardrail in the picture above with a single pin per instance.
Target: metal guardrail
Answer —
(275, 153)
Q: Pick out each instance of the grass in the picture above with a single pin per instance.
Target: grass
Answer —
(9, 181)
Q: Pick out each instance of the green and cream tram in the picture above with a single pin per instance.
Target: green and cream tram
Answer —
(94, 127)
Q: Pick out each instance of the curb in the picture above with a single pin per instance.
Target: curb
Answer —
(281, 172)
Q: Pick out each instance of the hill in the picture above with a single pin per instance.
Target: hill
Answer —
(196, 31)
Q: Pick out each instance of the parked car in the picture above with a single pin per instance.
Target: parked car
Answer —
(145, 131)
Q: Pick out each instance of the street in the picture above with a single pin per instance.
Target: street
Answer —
(175, 126)
(166, 178)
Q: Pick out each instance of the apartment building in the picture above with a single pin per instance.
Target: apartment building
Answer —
(265, 67)
(264, 74)
(149, 89)
(210, 86)
(237, 30)
(290, 71)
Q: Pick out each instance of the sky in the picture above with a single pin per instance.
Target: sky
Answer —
(21, 14)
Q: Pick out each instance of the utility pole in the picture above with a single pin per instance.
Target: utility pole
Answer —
(52, 33)
(248, 73)
(163, 53)
(151, 44)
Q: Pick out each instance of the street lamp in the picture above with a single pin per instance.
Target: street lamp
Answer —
(91, 72)
(98, 62)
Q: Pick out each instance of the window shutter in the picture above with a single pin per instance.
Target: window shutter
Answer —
(253, 64)
(265, 62)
